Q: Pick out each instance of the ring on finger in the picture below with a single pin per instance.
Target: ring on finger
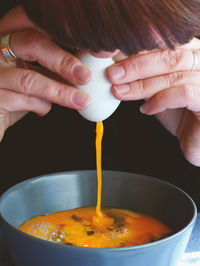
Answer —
(7, 52)
(195, 61)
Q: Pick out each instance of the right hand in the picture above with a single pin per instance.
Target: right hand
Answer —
(170, 87)
(34, 89)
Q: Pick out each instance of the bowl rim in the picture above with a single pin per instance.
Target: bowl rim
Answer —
(118, 249)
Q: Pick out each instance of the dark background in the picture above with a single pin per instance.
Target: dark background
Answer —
(63, 141)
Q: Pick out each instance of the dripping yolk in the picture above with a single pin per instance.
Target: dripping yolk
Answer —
(99, 136)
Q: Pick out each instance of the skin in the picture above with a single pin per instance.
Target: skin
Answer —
(35, 89)
(163, 78)
(170, 88)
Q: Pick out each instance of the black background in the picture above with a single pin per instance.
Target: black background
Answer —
(63, 141)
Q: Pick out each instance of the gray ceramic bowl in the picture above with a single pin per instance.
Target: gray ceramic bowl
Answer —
(68, 190)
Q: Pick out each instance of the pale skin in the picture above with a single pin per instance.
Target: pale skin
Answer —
(23, 90)
(163, 78)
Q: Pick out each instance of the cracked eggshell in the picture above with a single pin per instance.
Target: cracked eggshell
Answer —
(103, 103)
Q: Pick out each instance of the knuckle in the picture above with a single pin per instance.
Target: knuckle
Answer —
(55, 94)
(140, 87)
(159, 97)
(27, 81)
(172, 58)
(65, 64)
(175, 78)
(189, 92)
(136, 65)
(29, 104)
(59, 94)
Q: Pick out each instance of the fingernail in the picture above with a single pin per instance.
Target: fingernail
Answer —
(81, 73)
(116, 72)
(122, 89)
(119, 57)
(142, 109)
(80, 99)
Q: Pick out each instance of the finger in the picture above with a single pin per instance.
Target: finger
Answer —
(146, 88)
(33, 46)
(151, 64)
(32, 83)
(119, 56)
(185, 96)
(14, 102)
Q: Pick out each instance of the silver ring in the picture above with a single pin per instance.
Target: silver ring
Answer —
(8, 54)
(195, 61)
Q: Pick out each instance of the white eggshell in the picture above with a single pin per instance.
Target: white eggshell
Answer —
(103, 103)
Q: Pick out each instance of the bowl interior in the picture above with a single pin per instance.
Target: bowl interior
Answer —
(74, 189)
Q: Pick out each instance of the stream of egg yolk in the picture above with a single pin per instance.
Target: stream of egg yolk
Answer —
(99, 136)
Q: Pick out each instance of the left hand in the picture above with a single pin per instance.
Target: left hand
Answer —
(171, 89)
(24, 87)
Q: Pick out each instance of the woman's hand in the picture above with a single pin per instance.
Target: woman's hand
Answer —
(171, 89)
(26, 88)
